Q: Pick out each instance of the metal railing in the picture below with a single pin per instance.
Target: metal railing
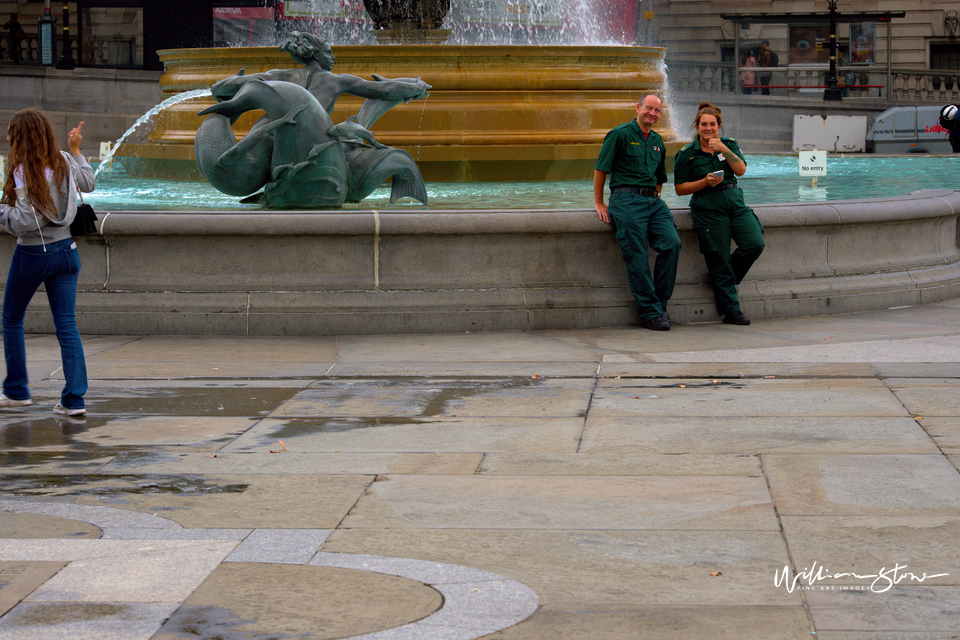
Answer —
(921, 85)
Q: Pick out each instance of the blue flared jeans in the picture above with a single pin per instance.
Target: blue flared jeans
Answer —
(57, 267)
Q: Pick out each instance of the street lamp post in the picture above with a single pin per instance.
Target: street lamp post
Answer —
(832, 92)
(66, 60)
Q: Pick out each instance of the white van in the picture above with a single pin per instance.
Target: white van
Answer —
(908, 130)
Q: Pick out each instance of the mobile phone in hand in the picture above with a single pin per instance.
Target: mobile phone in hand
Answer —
(717, 174)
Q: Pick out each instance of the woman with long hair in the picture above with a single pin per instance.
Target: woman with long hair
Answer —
(707, 169)
(39, 202)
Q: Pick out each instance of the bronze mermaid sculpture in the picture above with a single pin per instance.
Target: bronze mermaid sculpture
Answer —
(294, 155)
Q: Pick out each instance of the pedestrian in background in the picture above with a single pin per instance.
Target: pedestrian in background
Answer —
(15, 36)
(39, 202)
(767, 59)
(747, 77)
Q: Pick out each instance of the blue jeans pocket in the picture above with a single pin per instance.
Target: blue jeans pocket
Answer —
(72, 260)
(35, 265)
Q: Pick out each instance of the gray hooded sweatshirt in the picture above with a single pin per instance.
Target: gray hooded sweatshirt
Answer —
(19, 220)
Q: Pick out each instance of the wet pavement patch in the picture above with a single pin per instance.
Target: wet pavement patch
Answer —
(115, 485)
(64, 461)
(308, 426)
(227, 402)
(59, 613)
(428, 397)
(431, 396)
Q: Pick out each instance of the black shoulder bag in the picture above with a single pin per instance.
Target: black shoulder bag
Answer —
(84, 223)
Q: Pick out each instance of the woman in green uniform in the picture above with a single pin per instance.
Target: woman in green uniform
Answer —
(708, 169)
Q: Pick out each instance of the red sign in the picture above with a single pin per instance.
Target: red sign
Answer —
(243, 13)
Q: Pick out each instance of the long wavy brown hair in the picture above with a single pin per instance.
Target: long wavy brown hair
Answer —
(33, 145)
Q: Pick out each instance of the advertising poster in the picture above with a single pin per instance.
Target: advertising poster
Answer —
(863, 42)
(809, 44)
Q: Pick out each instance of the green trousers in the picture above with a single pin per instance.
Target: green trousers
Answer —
(718, 218)
(638, 222)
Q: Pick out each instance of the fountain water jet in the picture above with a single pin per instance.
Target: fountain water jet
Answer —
(496, 112)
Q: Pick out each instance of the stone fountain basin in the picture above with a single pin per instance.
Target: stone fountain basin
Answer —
(308, 273)
(495, 113)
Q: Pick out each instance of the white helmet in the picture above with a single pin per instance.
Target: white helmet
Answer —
(949, 112)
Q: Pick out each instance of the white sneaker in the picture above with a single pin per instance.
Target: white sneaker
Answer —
(63, 411)
(10, 402)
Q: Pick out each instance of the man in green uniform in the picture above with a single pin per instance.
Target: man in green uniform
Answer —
(634, 157)
(719, 216)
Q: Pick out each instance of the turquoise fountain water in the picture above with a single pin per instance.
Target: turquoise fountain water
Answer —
(769, 179)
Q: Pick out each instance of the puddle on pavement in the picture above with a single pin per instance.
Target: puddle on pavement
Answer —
(697, 385)
(37, 429)
(66, 460)
(115, 486)
(142, 401)
(45, 431)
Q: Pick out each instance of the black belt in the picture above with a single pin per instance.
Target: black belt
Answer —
(719, 187)
(644, 191)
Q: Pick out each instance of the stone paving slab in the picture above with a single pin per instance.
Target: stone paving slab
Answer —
(928, 349)
(35, 526)
(928, 397)
(516, 346)
(566, 502)
(892, 635)
(212, 501)
(619, 365)
(852, 485)
(888, 370)
(287, 546)
(295, 463)
(901, 610)
(263, 601)
(20, 579)
(434, 434)
(71, 621)
(619, 464)
(572, 569)
(106, 370)
(215, 349)
(944, 432)
(120, 570)
(868, 545)
(594, 622)
(469, 369)
(667, 398)
(748, 434)
(526, 397)
(652, 346)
